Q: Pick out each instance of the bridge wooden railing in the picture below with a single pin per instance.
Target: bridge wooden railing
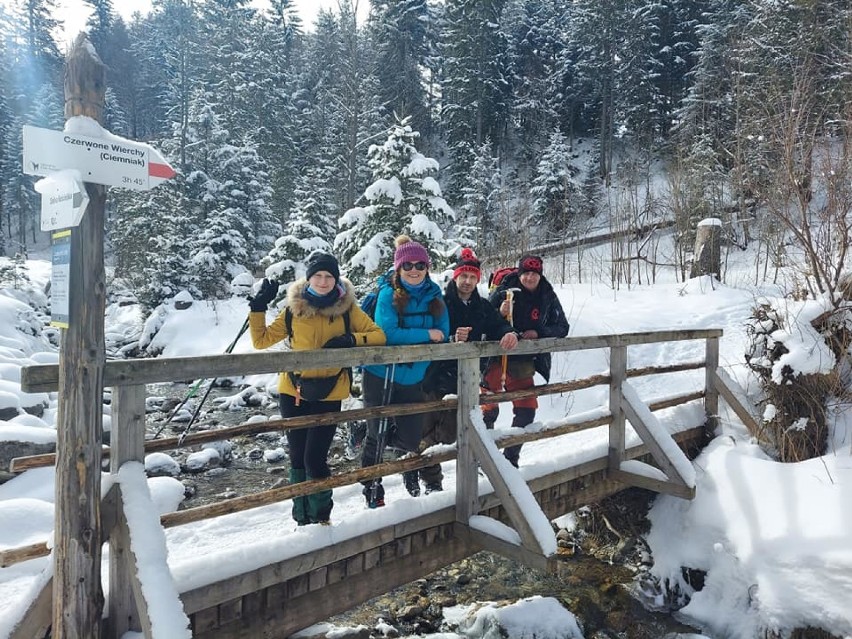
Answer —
(128, 378)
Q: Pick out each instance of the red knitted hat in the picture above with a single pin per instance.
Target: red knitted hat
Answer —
(468, 263)
(530, 263)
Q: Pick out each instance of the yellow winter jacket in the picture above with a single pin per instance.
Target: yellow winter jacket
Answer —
(313, 327)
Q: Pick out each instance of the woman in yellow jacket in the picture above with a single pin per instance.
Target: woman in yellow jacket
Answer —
(321, 313)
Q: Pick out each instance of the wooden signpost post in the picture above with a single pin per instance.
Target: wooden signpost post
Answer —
(77, 593)
(99, 161)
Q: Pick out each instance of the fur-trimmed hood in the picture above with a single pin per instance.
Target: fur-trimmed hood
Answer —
(300, 307)
(311, 327)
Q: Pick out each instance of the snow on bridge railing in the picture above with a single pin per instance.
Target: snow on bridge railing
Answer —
(134, 372)
(45, 377)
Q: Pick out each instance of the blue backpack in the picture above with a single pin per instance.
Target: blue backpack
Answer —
(371, 299)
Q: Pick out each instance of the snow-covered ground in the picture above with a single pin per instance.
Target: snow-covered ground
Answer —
(774, 539)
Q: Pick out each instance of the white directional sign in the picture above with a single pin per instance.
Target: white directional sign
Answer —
(63, 200)
(108, 160)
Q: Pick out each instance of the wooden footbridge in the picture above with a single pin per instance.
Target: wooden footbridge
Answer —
(512, 519)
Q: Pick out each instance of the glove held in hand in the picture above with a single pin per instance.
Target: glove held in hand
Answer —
(267, 292)
(347, 340)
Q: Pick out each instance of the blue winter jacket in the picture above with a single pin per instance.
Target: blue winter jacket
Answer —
(413, 329)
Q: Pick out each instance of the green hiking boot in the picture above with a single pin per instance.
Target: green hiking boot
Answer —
(300, 504)
(319, 506)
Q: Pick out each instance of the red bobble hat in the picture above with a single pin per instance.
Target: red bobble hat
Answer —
(468, 263)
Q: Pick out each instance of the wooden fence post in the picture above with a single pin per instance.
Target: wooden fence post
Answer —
(127, 443)
(711, 392)
(618, 373)
(467, 478)
(77, 592)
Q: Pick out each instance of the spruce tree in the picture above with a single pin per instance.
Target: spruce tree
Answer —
(399, 35)
(476, 83)
(554, 189)
(534, 32)
(5, 118)
(306, 231)
(404, 197)
(477, 221)
(227, 193)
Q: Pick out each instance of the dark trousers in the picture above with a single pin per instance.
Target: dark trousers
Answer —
(440, 428)
(309, 457)
(309, 446)
(402, 432)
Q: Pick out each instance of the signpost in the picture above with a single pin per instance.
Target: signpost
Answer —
(63, 200)
(68, 160)
(108, 160)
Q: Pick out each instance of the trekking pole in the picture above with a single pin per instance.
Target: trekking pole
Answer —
(382, 435)
(194, 389)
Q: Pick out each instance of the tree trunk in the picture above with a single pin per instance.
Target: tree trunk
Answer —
(707, 258)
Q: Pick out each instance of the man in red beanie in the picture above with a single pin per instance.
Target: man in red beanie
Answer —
(536, 312)
(472, 318)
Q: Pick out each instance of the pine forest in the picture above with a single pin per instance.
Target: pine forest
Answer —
(500, 124)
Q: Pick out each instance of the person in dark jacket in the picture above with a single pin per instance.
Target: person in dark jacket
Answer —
(322, 314)
(529, 301)
(410, 310)
(472, 319)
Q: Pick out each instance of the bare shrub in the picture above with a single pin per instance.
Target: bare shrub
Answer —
(795, 419)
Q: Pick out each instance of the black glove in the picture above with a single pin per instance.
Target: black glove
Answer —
(267, 292)
(347, 340)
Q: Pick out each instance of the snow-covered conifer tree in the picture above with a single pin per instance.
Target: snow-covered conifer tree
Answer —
(476, 221)
(404, 198)
(553, 186)
(306, 231)
(228, 188)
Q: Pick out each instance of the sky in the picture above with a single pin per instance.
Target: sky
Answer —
(774, 539)
(74, 13)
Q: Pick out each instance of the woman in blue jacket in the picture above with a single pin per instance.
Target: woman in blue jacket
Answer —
(410, 310)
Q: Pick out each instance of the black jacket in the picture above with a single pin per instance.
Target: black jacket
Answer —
(485, 321)
(486, 325)
(540, 311)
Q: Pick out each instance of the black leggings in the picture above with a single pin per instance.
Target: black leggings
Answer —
(407, 429)
(309, 446)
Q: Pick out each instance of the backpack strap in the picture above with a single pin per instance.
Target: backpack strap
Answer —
(288, 323)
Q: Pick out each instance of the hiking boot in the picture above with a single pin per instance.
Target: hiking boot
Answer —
(374, 493)
(433, 487)
(411, 479)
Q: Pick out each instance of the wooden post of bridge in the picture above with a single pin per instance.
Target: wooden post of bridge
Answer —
(618, 375)
(77, 593)
(467, 477)
(127, 443)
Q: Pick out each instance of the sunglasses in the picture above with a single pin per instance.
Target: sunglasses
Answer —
(420, 266)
